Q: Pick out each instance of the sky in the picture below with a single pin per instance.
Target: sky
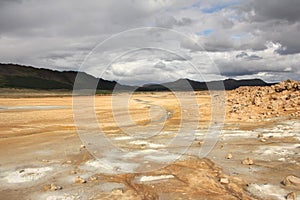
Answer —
(136, 42)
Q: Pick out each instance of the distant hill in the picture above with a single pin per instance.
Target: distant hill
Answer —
(18, 76)
(182, 84)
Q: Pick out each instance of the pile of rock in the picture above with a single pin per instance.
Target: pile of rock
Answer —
(282, 99)
(287, 85)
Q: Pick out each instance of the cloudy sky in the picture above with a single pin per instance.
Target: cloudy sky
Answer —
(200, 40)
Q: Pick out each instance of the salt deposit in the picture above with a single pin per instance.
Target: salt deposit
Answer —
(267, 191)
(27, 175)
(154, 178)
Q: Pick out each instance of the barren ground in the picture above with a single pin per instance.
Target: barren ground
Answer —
(40, 146)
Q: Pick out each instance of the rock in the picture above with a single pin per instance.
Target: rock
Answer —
(260, 135)
(263, 140)
(52, 187)
(270, 107)
(78, 179)
(47, 187)
(68, 162)
(224, 180)
(273, 97)
(291, 180)
(228, 156)
(278, 89)
(55, 187)
(291, 196)
(248, 161)
(243, 103)
(257, 101)
(73, 172)
(82, 147)
(93, 178)
(117, 191)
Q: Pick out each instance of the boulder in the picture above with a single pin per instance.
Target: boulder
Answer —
(224, 180)
(291, 180)
(78, 179)
(248, 161)
(291, 196)
(52, 187)
(228, 156)
(260, 135)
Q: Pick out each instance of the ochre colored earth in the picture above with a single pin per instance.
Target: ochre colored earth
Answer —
(37, 130)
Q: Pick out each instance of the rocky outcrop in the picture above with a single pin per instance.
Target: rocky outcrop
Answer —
(247, 103)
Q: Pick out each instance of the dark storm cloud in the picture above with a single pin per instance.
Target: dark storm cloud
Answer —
(34, 32)
(170, 21)
(59, 34)
(288, 10)
(6, 2)
(230, 69)
(60, 18)
(174, 57)
(246, 56)
(276, 20)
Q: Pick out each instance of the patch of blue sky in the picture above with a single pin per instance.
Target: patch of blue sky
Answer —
(205, 32)
(220, 6)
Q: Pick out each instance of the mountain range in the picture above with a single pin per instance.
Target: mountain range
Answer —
(19, 76)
